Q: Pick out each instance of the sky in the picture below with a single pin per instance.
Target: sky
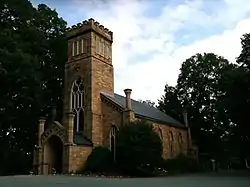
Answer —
(152, 38)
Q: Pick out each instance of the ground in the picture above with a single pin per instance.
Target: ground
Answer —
(198, 180)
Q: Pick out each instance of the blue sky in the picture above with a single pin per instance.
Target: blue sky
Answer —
(153, 38)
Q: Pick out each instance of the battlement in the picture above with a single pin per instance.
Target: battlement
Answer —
(89, 25)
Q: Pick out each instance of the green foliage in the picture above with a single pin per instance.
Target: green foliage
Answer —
(100, 160)
(148, 102)
(32, 55)
(33, 51)
(181, 164)
(15, 161)
(138, 148)
(216, 95)
(236, 84)
(198, 88)
(243, 59)
(199, 92)
(170, 103)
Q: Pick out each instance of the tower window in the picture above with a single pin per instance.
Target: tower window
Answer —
(100, 48)
(86, 48)
(103, 49)
(77, 104)
(97, 46)
(73, 49)
(82, 45)
(109, 52)
(77, 47)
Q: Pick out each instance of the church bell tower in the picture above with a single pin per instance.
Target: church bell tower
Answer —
(88, 71)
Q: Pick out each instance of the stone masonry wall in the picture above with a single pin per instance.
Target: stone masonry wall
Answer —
(73, 70)
(77, 157)
(164, 131)
(102, 80)
(111, 116)
(93, 63)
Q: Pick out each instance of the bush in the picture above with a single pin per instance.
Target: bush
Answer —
(138, 148)
(100, 160)
(181, 164)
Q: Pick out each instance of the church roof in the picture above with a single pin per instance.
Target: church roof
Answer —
(144, 110)
(79, 139)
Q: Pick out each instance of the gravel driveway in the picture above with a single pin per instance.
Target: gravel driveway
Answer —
(175, 181)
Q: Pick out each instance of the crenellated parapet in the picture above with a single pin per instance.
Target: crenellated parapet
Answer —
(88, 25)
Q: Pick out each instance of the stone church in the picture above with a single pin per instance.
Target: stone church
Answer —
(93, 113)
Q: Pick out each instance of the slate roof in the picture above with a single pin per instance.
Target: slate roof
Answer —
(144, 110)
(140, 109)
(79, 139)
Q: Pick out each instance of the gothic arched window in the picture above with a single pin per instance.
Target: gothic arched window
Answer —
(160, 133)
(180, 142)
(171, 143)
(112, 135)
(77, 104)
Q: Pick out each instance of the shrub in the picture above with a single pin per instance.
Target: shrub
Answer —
(181, 164)
(138, 148)
(100, 160)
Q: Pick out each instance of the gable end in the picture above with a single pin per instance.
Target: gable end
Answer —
(112, 104)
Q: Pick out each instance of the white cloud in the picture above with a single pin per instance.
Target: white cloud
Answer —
(233, 11)
(165, 67)
(136, 34)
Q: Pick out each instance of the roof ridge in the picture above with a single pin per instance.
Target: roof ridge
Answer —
(143, 109)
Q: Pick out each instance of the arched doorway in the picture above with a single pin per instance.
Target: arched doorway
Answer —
(54, 154)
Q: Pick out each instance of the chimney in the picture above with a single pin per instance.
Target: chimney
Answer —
(128, 115)
(128, 98)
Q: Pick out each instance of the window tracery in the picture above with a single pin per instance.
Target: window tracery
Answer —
(160, 133)
(180, 141)
(171, 142)
(77, 104)
(112, 140)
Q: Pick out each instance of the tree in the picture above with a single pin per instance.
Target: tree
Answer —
(198, 92)
(31, 64)
(100, 160)
(55, 55)
(137, 147)
(243, 96)
(170, 104)
(148, 102)
(236, 84)
(244, 59)
(19, 77)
